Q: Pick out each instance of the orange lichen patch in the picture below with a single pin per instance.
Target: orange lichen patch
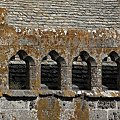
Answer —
(71, 33)
(53, 43)
(47, 35)
(30, 50)
(4, 49)
(35, 84)
(48, 109)
(8, 35)
(31, 38)
(13, 49)
(42, 105)
(52, 35)
(3, 57)
(68, 93)
(3, 13)
(100, 36)
(81, 112)
(60, 51)
(108, 50)
(2, 10)
(33, 52)
(1, 92)
(3, 70)
(98, 51)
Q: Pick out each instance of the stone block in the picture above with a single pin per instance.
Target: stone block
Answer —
(98, 115)
(18, 115)
(118, 104)
(106, 104)
(92, 104)
(67, 114)
(6, 104)
(2, 116)
(67, 105)
(114, 115)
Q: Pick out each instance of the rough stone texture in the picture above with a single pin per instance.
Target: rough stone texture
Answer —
(106, 104)
(118, 105)
(98, 115)
(42, 28)
(63, 13)
(114, 115)
(92, 104)
(48, 109)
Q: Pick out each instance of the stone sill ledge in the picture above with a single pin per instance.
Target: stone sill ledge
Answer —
(98, 93)
(88, 93)
(20, 93)
(60, 93)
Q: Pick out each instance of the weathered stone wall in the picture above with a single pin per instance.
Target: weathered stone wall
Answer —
(59, 108)
(66, 103)
(90, 14)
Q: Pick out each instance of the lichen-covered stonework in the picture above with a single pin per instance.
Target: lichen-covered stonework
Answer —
(66, 43)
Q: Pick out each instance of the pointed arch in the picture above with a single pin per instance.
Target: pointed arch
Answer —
(29, 60)
(22, 54)
(20, 70)
(54, 55)
(51, 71)
(84, 55)
(81, 71)
(110, 71)
(114, 56)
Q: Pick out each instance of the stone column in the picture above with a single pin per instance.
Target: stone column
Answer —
(33, 74)
(118, 77)
(96, 77)
(66, 77)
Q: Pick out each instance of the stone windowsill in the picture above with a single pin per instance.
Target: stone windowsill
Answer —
(64, 93)
(98, 93)
(21, 93)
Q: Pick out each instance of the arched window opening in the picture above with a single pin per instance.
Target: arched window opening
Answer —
(22, 54)
(81, 78)
(50, 73)
(110, 73)
(18, 74)
(22, 71)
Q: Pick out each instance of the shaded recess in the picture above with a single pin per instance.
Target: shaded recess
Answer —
(81, 71)
(51, 71)
(111, 71)
(20, 70)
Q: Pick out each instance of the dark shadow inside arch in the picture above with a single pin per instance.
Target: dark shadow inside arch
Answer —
(29, 59)
(54, 55)
(22, 54)
(51, 71)
(114, 56)
(84, 55)
(110, 72)
(19, 70)
(81, 71)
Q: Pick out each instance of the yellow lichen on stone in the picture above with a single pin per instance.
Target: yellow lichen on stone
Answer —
(3, 13)
(48, 109)
(81, 112)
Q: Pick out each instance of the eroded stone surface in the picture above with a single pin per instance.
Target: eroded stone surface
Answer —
(98, 115)
(106, 104)
(114, 115)
(66, 103)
